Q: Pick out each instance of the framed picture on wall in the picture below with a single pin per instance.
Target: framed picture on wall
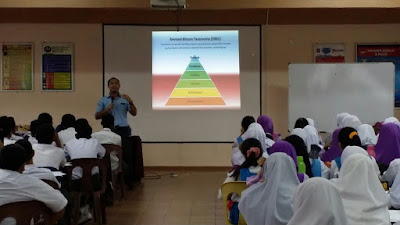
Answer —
(329, 53)
(57, 66)
(382, 53)
(16, 66)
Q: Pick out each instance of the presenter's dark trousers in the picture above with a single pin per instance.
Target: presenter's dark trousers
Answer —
(127, 146)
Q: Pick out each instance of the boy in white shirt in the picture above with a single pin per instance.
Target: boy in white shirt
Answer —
(68, 133)
(46, 155)
(17, 187)
(107, 136)
(83, 146)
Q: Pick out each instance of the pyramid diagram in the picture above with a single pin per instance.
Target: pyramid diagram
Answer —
(195, 87)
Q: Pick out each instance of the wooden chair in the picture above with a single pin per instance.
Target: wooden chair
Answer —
(229, 188)
(86, 187)
(117, 177)
(24, 212)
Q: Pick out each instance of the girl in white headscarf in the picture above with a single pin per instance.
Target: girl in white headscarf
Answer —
(317, 202)
(350, 150)
(392, 120)
(270, 201)
(367, 135)
(394, 195)
(301, 133)
(320, 170)
(310, 122)
(365, 201)
(391, 172)
(351, 121)
(340, 118)
(254, 130)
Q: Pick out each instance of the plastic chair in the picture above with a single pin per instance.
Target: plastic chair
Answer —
(87, 189)
(117, 177)
(24, 212)
(229, 188)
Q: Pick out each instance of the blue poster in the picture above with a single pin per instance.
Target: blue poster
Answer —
(383, 53)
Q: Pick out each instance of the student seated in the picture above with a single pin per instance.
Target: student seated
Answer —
(6, 126)
(107, 136)
(287, 148)
(250, 129)
(365, 201)
(387, 148)
(347, 137)
(301, 123)
(18, 187)
(46, 155)
(317, 202)
(83, 146)
(45, 118)
(367, 135)
(31, 135)
(68, 132)
(31, 169)
(268, 126)
(270, 201)
(14, 129)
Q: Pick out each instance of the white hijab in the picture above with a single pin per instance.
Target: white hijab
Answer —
(392, 120)
(365, 202)
(310, 122)
(301, 133)
(340, 117)
(256, 131)
(316, 202)
(312, 137)
(350, 150)
(270, 202)
(391, 172)
(395, 193)
(367, 135)
(351, 121)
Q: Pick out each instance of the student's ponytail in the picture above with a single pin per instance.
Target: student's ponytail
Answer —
(252, 151)
(348, 136)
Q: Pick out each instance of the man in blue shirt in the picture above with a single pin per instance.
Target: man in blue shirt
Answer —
(118, 105)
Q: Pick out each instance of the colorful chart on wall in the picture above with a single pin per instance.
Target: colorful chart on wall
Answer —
(383, 53)
(195, 70)
(17, 67)
(57, 64)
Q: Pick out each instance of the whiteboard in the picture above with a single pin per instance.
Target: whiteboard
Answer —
(321, 91)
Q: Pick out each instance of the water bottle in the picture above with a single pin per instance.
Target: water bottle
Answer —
(300, 163)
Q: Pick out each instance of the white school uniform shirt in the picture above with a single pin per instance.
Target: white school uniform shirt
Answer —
(106, 136)
(316, 202)
(16, 187)
(392, 171)
(66, 135)
(33, 141)
(40, 173)
(8, 141)
(46, 155)
(15, 137)
(84, 148)
(270, 201)
(365, 201)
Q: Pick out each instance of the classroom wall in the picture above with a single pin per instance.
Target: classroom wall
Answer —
(282, 45)
(88, 71)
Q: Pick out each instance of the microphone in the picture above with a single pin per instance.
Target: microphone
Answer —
(112, 100)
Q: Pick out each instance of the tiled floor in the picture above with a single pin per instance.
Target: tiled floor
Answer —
(189, 198)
